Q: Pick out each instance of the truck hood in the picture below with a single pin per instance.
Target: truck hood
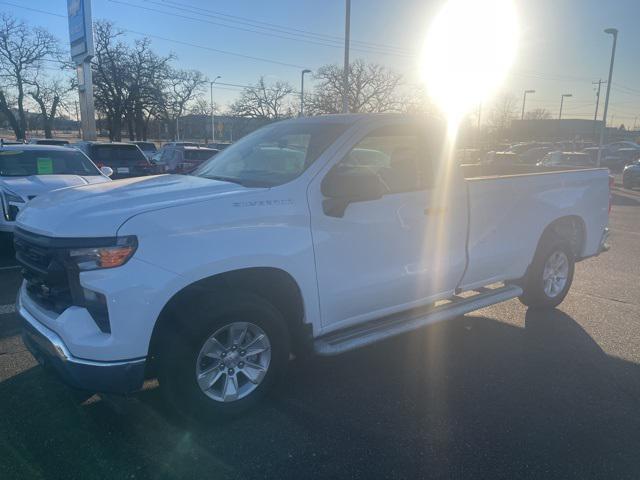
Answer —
(35, 185)
(100, 209)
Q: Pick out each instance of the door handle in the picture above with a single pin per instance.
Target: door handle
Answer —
(435, 210)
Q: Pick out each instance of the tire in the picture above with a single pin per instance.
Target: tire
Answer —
(182, 355)
(540, 294)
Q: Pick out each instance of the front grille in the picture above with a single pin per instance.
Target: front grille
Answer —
(43, 268)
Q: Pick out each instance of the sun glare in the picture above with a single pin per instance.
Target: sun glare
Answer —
(467, 53)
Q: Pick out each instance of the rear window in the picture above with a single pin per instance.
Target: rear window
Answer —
(147, 146)
(23, 163)
(60, 143)
(117, 155)
(200, 155)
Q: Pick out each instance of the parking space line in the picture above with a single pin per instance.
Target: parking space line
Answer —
(10, 267)
(9, 308)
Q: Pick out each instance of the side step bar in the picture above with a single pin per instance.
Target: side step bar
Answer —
(373, 331)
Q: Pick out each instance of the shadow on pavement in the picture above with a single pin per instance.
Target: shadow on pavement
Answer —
(471, 398)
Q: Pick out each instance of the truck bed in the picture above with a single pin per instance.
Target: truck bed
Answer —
(477, 170)
(510, 206)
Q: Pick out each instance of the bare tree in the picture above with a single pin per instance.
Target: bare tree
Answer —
(416, 100)
(23, 49)
(264, 101)
(49, 95)
(537, 114)
(502, 112)
(182, 87)
(147, 76)
(110, 68)
(372, 88)
(201, 106)
(131, 82)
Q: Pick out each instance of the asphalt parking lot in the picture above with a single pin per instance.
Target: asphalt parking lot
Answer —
(501, 393)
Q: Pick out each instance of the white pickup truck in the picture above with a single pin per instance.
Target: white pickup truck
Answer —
(320, 234)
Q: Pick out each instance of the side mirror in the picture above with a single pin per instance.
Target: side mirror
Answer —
(108, 171)
(343, 187)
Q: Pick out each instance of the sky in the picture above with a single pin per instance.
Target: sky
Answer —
(562, 47)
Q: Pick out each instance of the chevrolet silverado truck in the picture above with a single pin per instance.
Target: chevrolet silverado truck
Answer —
(319, 234)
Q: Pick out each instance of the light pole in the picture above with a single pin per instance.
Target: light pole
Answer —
(562, 102)
(302, 91)
(345, 73)
(524, 99)
(614, 32)
(213, 128)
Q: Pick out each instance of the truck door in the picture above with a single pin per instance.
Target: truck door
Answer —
(400, 251)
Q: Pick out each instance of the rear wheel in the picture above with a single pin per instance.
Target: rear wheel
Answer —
(550, 275)
(227, 353)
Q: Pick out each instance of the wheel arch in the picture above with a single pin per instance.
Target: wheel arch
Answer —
(275, 285)
(569, 227)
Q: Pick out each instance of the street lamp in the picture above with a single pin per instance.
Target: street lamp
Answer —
(302, 91)
(213, 128)
(562, 102)
(524, 99)
(614, 32)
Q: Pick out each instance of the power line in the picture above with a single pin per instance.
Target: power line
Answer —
(189, 44)
(250, 30)
(275, 27)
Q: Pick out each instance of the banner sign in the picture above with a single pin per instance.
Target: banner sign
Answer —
(80, 30)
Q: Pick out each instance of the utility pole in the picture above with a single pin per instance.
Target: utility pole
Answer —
(345, 75)
(562, 102)
(302, 91)
(595, 115)
(614, 32)
(213, 128)
(78, 120)
(478, 129)
(524, 99)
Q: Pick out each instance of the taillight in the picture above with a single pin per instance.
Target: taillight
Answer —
(611, 184)
(100, 164)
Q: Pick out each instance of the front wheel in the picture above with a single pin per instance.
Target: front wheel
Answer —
(227, 354)
(550, 275)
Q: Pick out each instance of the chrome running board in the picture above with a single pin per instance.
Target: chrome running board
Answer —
(375, 330)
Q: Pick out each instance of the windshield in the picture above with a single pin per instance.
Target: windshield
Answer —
(22, 163)
(272, 155)
(117, 155)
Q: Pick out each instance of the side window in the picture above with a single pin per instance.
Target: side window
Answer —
(398, 155)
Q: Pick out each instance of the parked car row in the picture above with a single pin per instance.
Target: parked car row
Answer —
(29, 169)
(615, 156)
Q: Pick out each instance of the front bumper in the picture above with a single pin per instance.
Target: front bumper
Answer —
(49, 349)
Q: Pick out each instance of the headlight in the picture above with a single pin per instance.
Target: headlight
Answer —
(11, 197)
(7, 197)
(94, 258)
